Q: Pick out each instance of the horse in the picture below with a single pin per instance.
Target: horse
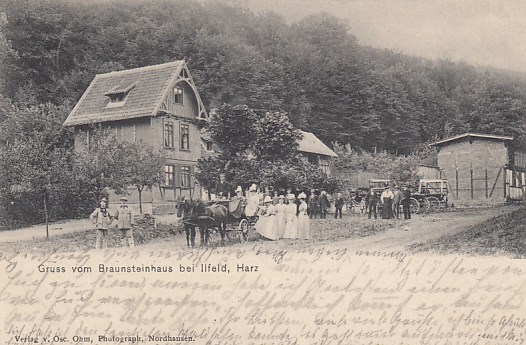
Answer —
(185, 211)
(196, 213)
(211, 216)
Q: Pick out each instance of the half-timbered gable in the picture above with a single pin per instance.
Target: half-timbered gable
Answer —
(315, 151)
(158, 105)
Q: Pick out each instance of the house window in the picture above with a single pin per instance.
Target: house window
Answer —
(313, 159)
(118, 98)
(324, 166)
(178, 95)
(168, 134)
(119, 94)
(185, 137)
(185, 176)
(169, 175)
(88, 138)
(209, 146)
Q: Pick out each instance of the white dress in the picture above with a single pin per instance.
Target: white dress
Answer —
(303, 222)
(266, 224)
(291, 221)
(252, 205)
(280, 219)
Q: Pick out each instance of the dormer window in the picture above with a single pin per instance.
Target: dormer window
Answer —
(119, 94)
(178, 95)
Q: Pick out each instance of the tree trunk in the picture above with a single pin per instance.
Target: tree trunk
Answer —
(139, 189)
(46, 213)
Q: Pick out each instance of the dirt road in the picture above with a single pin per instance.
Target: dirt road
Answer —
(396, 236)
(353, 233)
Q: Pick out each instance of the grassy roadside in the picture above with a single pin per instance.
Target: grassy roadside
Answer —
(321, 230)
(501, 235)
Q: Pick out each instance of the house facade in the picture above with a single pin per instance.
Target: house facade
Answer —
(314, 151)
(480, 169)
(158, 105)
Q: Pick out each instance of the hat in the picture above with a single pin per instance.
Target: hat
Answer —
(104, 199)
(291, 197)
(123, 198)
(239, 189)
(252, 188)
(267, 199)
(302, 196)
(281, 196)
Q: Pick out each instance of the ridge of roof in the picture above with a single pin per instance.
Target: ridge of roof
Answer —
(312, 144)
(141, 69)
(151, 83)
(469, 134)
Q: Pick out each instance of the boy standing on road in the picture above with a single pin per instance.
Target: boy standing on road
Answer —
(124, 218)
(102, 218)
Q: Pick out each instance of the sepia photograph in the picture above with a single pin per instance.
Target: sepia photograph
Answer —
(262, 172)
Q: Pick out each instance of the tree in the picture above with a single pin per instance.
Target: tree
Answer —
(140, 166)
(276, 138)
(234, 129)
(261, 149)
(36, 159)
(99, 166)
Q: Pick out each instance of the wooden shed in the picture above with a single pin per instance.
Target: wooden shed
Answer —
(480, 169)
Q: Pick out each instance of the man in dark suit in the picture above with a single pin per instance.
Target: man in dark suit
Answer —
(324, 204)
(406, 202)
(371, 200)
(223, 188)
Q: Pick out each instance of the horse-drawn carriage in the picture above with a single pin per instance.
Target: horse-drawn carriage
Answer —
(238, 224)
(226, 218)
(356, 204)
(431, 196)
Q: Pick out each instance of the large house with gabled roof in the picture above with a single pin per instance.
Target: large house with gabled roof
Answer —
(158, 105)
(314, 151)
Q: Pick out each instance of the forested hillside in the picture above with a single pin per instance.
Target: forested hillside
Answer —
(315, 69)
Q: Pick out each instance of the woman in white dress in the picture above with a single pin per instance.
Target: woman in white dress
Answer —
(266, 224)
(303, 218)
(280, 216)
(291, 226)
(252, 202)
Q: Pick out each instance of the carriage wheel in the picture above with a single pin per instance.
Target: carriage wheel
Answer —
(243, 229)
(433, 204)
(414, 206)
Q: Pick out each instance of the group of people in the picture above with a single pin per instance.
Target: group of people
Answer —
(389, 201)
(103, 218)
(281, 216)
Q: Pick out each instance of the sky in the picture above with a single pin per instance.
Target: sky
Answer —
(479, 32)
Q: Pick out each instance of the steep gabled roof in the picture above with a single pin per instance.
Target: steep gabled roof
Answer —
(144, 88)
(311, 144)
(471, 135)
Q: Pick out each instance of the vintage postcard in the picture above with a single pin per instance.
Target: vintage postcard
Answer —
(323, 172)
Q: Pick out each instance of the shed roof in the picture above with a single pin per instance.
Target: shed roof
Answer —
(471, 135)
(311, 144)
(146, 88)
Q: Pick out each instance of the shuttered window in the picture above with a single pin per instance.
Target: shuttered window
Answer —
(186, 180)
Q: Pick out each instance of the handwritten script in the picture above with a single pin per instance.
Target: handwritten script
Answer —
(260, 296)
